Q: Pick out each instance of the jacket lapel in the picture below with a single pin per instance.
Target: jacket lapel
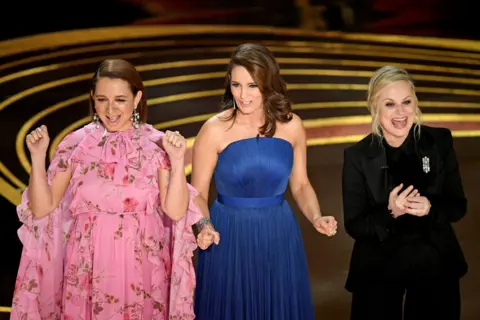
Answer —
(376, 166)
(428, 157)
(376, 171)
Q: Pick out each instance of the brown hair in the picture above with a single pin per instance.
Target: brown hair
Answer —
(121, 69)
(264, 70)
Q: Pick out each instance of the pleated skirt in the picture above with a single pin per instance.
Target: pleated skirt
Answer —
(259, 270)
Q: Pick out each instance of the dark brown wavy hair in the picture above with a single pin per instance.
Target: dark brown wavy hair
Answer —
(264, 70)
(121, 69)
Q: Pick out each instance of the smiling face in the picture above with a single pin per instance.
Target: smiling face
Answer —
(245, 91)
(114, 103)
(397, 108)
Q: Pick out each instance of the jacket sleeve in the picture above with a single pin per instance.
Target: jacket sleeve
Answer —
(362, 220)
(450, 205)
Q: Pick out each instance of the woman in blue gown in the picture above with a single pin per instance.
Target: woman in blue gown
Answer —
(252, 263)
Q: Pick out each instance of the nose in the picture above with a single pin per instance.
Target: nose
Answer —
(110, 106)
(400, 109)
(242, 93)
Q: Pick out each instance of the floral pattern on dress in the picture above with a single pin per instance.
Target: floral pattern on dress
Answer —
(108, 251)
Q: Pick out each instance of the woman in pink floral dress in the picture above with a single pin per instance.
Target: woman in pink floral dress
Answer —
(107, 230)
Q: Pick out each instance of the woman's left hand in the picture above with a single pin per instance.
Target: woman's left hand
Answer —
(325, 225)
(417, 206)
(174, 144)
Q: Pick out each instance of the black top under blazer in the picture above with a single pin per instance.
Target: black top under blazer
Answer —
(409, 247)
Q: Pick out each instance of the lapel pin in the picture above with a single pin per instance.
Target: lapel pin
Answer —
(426, 164)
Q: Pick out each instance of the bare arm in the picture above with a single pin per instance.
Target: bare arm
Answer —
(174, 194)
(43, 199)
(300, 186)
(205, 156)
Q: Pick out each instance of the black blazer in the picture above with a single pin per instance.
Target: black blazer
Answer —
(366, 191)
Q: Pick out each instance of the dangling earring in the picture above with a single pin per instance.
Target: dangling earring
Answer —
(234, 105)
(95, 120)
(135, 118)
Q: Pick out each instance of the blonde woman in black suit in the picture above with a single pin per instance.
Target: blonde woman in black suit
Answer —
(401, 193)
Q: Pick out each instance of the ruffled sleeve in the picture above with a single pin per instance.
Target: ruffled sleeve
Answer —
(183, 272)
(38, 287)
(182, 244)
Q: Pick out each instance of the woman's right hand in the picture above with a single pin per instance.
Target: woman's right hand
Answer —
(207, 236)
(397, 203)
(38, 141)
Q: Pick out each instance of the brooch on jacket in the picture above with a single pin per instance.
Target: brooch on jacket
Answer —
(426, 164)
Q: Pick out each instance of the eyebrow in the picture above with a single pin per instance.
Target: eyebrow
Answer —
(402, 99)
(119, 96)
(233, 81)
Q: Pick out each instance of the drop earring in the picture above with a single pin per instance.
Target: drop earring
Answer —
(135, 118)
(96, 121)
(234, 104)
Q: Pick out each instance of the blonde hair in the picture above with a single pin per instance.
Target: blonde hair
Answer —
(383, 77)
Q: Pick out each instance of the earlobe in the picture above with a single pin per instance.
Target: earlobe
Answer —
(92, 96)
(138, 97)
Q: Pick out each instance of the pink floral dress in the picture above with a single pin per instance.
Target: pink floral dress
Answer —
(107, 251)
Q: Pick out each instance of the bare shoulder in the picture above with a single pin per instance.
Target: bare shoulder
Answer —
(295, 123)
(214, 128)
(216, 124)
(292, 130)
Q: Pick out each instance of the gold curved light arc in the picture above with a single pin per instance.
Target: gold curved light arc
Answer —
(45, 86)
(299, 106)
(5, 309)
(347, 120)
(10, 176)
(313, 72)
(28, 125)
(279, 49)
(9, 192)
(201, 94)
(226, 42)
(120, 33)
(353, 120)
(189, 63)
(111, 34)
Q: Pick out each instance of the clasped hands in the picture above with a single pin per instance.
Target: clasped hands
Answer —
(409, 201)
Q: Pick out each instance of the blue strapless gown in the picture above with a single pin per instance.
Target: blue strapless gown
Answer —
(259, 270)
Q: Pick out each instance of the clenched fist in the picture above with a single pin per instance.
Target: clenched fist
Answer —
(325, 225)
(38, 141)
(207, 236)
(175, 145)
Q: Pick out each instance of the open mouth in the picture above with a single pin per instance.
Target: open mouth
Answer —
(113, 120)
(399, 123)
(245, 103)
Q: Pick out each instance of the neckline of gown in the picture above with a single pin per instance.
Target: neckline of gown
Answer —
(253, 138)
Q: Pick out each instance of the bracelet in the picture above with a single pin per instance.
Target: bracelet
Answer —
(203, 222)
